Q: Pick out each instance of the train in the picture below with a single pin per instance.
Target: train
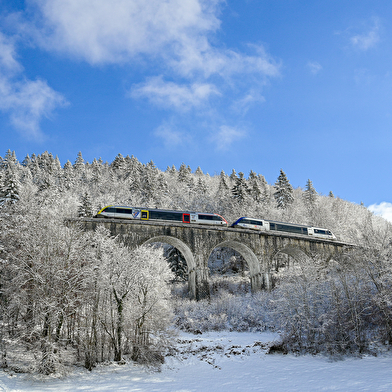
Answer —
(204, 218)
(148, 214)
(268, 225)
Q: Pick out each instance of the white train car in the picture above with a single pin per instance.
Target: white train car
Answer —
(149, 214)
(267, 225)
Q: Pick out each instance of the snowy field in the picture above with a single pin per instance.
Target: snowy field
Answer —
(224, 362)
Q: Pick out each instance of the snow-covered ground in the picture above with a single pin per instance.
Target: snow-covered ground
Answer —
(222, 361)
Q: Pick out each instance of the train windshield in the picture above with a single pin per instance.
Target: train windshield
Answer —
(252, 222)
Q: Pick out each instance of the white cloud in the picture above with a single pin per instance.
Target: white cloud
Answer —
(173, 33)
(8, 62)
(201, 57)
(101, 31)
(314, 67)
(226, 136)
(26, 101)
(172, 38)
(383, 209)
(170, 136)
(250, 98)
(169, 94)
(367, 40)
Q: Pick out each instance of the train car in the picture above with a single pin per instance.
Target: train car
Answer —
(266, 225)
(126, 212)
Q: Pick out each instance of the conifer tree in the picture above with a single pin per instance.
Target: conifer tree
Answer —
(310, 195)
(79, 163)
(10, 158)
(9, 191)
(223, 188)
(149, 184)
(201, 187)
(233, 175)
(283, 191)
(68, 176)
(85, 206)
(27, 161)
(265, 193)
(240, 189)
(254, 188)
(118, 164)
(184, 173)
(198, 171)
(177, 264)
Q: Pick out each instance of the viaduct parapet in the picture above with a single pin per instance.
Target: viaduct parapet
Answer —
(197, 242)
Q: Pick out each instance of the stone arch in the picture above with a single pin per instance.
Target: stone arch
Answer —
(188, 255)
(294, 251)
(250, 258)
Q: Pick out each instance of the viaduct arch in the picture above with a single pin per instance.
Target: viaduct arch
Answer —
(197, 242)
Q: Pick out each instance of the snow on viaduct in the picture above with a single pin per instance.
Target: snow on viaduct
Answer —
(196, 243)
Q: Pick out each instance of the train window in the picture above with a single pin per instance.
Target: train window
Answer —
(305, 230)
(207, 217)
(109, 209)
(124, 210)
(319, 231)
(272, 226)
(166, 215)
(252, 222)
(289, 229)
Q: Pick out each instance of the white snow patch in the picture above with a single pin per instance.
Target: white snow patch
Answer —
(222, 361)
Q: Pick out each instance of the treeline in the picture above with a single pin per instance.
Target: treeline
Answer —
(85, 187)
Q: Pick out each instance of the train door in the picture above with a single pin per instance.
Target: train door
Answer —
(193, 218)
(186, 218)
(144, 215)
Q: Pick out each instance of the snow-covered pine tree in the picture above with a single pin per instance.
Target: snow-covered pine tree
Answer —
(68, 177)
(79, 163)
(254, 188)
(233, 175)
(85, 206)
(184, 173)
(201, 187)
(240, 190)
(118, 162)
(265, 193)
(149, 184)
(9, 191)
(310, 195)
(199, 172)
(223, 188)
(283, 191)
(177, 264)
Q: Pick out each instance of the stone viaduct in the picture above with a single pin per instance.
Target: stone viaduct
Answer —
(196, 243)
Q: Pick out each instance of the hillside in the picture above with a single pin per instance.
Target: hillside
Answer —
(87, 298)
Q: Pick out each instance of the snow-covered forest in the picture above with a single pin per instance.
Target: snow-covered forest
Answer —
(73, 297)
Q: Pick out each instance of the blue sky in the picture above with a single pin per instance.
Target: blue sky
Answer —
(303, 86)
